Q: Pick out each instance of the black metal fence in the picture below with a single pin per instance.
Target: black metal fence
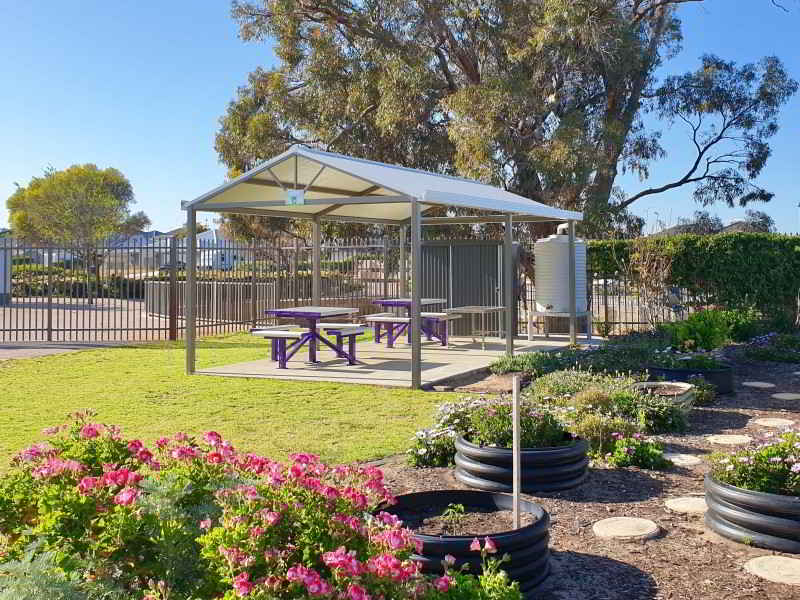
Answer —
(134, 289)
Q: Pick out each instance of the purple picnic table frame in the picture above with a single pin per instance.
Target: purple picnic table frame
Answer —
(395, 330)
(311, 314)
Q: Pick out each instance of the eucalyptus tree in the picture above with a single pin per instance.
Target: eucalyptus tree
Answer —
(545, 98)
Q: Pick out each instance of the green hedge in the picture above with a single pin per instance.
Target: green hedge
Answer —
(735, 270)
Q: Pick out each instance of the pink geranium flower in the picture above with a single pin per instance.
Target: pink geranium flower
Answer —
(490, 546)
(126, 496)
(212, 438)
(242, 585)
(475, 546)
(442, 584)
(356, 592)
(90, 430)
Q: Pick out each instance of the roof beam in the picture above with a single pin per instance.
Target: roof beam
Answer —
(269, 204)
(315, 188)
(470, 220)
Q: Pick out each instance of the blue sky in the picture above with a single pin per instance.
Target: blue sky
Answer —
(140, 87)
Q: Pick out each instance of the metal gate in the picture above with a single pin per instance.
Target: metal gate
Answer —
(468, 272)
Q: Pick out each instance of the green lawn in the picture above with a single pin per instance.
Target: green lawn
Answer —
(144, 390)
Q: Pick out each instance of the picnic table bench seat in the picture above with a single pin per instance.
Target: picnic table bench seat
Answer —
(278, 334)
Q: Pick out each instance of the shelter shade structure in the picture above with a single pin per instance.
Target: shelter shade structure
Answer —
(306, 183)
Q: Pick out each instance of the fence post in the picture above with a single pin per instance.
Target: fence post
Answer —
(386, 266)
(172, 289)
(605, 305)
(253, 288)
(296, 270)
(49, 293)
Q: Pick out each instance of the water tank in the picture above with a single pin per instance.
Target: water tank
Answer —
(552, 273)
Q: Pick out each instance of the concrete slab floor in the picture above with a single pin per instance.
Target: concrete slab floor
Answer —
(390, 367)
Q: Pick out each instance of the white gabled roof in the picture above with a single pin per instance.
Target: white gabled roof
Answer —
(346, 187)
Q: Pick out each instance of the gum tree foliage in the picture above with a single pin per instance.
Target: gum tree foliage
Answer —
(79, 208)
(545, 98)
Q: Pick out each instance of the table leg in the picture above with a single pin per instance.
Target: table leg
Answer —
(312, 346)
(351, 348)
(474, 326)
(281, 355)
(483, 331)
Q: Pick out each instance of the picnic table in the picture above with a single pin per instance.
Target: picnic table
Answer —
(312, 315)
(434, 325)
(476, 311)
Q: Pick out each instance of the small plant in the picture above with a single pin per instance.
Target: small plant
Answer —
(703, 330)
(704, 392)
(636, 451)
(491, 425)
(599, 430)
(453, 513)
(678, 360)
(775, 347)
(771, 465)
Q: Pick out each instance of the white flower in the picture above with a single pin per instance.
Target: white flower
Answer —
(422, 451)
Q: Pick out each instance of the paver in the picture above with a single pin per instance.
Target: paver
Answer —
(786, 396)
(688, 505)
(730, 439)
(683, 460)
(758, 385)
(780, 569)
(625, 528)
(773, 422)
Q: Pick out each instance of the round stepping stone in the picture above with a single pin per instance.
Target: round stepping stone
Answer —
(780, 569)
(683, 460)
(758, 385)
(730, 439)
(770, 422)
(786, 396)
(625, 528)
(687, 505)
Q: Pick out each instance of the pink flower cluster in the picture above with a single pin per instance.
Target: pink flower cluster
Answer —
(389, 566)
(344, 561)
(314, 583)
(54, 466)
(489, 546)
(113, 478)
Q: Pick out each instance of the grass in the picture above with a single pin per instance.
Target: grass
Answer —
(143, 389)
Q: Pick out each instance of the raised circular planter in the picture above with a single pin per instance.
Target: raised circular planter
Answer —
(755, 518)
(721, 378)
(526, 546)
(679, 393)
(543, 469)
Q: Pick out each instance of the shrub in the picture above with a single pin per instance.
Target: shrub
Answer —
(433, 447)
(533, 363)
(491, 425)
(743, 324)
(775, 347)
(703, 330)
(599, 429)
(771, 466)
(636, 451)
(704, 392)
(569, 382)
(678, 360)
(196, 519)
(658, 415)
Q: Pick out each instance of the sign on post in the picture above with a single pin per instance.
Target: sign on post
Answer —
(295, 197)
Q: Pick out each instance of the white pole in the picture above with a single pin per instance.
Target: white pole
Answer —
(190, 312)
(416, 282)
(516, 450)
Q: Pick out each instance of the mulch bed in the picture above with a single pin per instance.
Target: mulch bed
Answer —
(475, 520)
(687, 561)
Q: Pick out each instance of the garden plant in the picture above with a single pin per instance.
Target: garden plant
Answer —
(92, 514)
